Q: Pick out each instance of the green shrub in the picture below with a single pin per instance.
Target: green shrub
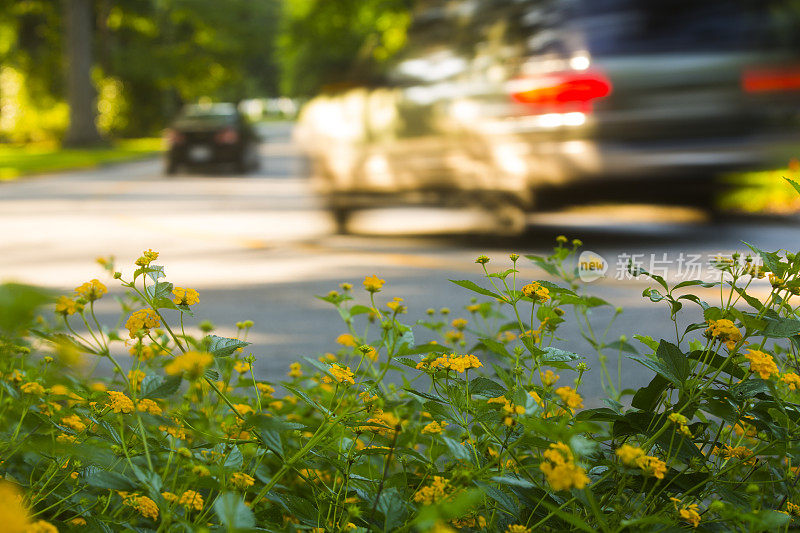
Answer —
(183, 437)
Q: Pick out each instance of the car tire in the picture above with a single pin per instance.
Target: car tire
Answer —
(341, 220)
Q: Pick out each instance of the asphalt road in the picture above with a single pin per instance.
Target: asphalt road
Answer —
(260, 247)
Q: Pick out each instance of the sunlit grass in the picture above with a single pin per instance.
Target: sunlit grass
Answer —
(761, 192)
(21, 160)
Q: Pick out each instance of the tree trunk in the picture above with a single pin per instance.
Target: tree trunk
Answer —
(80, 91)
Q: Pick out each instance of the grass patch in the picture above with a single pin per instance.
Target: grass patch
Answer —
(21, 160)
(761, 192)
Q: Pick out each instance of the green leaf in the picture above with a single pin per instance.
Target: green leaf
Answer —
(780, 328)
(647, 340)
(424, 395)
(554, 355)
(505, 501)
(691, 283)
(486, 387)
(392, 505)
(104, 479)
(659, 368)
(646, 398)
(474, 287)
(494, 346)
(160, 386)
(270, 429)
(233, 513)
(673, 359)
(222, 346)
(18, 306)
(771, 260)
(794, 184)
(457, 450)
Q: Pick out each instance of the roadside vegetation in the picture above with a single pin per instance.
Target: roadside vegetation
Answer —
(22, 160)
(485, 429)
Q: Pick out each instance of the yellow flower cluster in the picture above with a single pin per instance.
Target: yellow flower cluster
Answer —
(373, 283)
(91, 290)
(143, 319)
(680, 421)
(265, 389)
(384, 418)
(146, 258)
(536, 292)
(636, 458)
(241, 480)
(74, 421)
(396, 305)
(509, 408)
(67, 306)
(438, 490)
(342, 373)
(688, 513)
(725, 331)
(295, 371)
(560, 469)
(148, 406)
(345, 339)
(32, 387)
(242, 366)
(761, 363)
(516, 528)
(192, 363)
(570, 396)
(185, 296)
(459, 363)
(792, 380)
(191, 500)
(459, 323)
(434, 427)
(119, 402)
(146, 507)
(548, 377)
(41, 526)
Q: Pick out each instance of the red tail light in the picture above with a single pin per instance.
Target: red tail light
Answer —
(771, 80)
(174, 137)
(561, 91)
(226, 136)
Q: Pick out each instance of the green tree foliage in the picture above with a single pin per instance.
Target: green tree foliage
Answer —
(325, 44)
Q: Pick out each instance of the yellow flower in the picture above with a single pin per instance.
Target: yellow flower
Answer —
(191, 500)
(241, 480)
(459, 363)
(12, 511)
(345, 339)
(241, 366)
(688, 513)
(40, 526)
(243, 409)
(66, 439)
(78, 521)
(725, 331)
(792, 380)
(91, 290)
(201, 471)
(146, 507)
(74, 421)
(67, 306)
(373, 283)
(548, 377)
(434, 427)
(652, 466)
(119, 402)
(146, 258)
(560, 470)
(32, 388)
(569, 396)
(136, 377)
(143, 319)
(169, 497)
(265, 389)
(536, 292)
(192, 363)
(277, 405)
(680, 421)
(396, 305)
(629, 454)
(761, 363)
(518, 529)
(295, 371)
(438, 490)
(185, 296)
(342, 374)
(386, 419)
(459, 323)
(148, 406)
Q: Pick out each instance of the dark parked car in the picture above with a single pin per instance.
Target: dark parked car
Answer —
(502, 102)
(210, 135)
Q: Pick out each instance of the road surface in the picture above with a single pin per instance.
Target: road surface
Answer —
(260, 247)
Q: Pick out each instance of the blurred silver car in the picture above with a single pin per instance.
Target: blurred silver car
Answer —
(499, 103)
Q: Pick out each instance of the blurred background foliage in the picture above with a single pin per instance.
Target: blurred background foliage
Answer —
(151, 56)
